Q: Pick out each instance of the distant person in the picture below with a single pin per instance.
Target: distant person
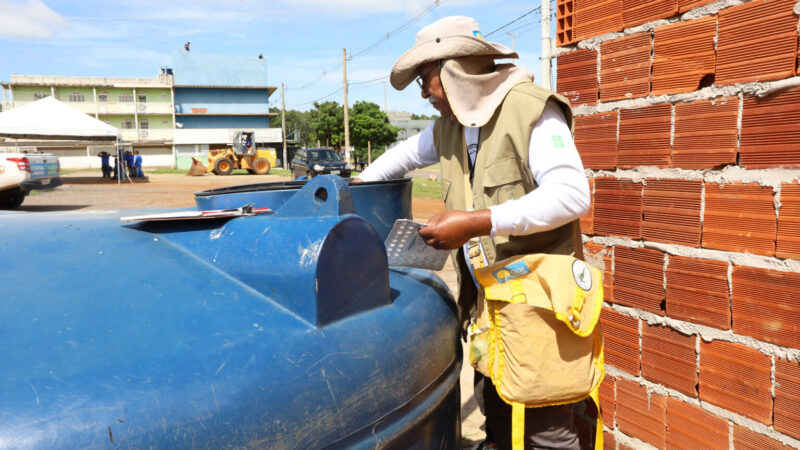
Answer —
(104, 165)
(137, 164)
(129, 163)
(247, 145)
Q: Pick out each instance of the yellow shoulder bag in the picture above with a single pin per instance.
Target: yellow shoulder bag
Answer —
(536, 333)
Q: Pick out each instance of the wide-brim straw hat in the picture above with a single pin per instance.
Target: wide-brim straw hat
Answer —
(451, 37)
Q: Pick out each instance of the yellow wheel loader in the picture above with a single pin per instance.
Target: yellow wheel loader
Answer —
(243, 154)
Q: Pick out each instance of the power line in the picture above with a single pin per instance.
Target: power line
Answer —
(401, 28)
(509, 23)
(389, 34)
(321, 98)
(380, 79)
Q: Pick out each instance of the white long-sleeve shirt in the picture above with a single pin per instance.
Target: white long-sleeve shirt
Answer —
(562, 194)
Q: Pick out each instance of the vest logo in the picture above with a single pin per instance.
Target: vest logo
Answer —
(582, 275)
(477, 34)
(511, 271)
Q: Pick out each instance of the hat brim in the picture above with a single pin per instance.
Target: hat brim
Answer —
(406, 68)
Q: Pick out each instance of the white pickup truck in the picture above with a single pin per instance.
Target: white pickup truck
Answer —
(21, 173)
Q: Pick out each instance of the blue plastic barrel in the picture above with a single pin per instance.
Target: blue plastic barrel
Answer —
(379, 202)
(285, 330)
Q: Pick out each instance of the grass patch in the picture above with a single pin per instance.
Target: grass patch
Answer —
(71, 171)
(162, 170)
(425, 188)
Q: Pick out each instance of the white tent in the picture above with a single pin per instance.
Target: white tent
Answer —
(49, 118)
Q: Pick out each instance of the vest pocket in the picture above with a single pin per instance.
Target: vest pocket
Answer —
(445, 189)
(503, 180)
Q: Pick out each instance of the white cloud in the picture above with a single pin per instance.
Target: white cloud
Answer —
(30, 19)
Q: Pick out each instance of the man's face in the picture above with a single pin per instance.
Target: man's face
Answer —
(432, 89)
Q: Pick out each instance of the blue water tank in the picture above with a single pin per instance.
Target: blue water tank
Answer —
(285, 330)
(381, 203)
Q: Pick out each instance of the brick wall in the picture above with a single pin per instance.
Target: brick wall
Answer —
(687, 118)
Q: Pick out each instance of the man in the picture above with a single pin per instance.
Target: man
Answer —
(104, 165)
(137, 164)
(511, 177)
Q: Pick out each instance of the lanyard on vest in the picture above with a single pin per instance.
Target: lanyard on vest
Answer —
(474, 251)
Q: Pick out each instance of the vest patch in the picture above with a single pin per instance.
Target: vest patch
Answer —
(580, 271)
(557, 141)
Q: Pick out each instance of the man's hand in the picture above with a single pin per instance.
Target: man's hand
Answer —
(451, 229)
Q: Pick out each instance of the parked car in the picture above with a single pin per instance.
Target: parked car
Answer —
(21, 173)
(310, 162)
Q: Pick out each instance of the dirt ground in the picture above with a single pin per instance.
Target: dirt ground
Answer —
(89, 191)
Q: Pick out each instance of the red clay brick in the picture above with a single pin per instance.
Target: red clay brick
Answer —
(691, 427)
(644, 136)
(788, 245)
(787, 397)
(596, 140)
(639, 278)
(609, 442)
(683, 55)
(706, 133)
(740, 218)
(640, 414)
(697, 291)
(596, 17)
(621, 340)
(669, 358)
(771, 131)
(637, 12)
(765, 305)
(565, 26)
(601, 256)
(577, 77)
(625, 67)
(745, 439)
(757, 41)
(736, 378)
(587, 222)
(671, 211)
(607, 401)
(686, 5)
(617, 207)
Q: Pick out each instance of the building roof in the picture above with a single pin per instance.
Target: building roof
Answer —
(193, 69)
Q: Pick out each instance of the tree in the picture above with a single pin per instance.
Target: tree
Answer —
(298, 125)
(423, 117)
(369, 124)
(327, 123)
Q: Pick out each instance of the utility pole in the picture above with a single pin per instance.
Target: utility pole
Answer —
(283, 125)
(546, 46)
(346, 118)
(513, 35)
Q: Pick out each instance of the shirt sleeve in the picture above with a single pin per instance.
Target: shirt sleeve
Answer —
(415, 152)
(562, 194)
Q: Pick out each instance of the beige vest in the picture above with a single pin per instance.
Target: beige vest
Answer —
(501, 173)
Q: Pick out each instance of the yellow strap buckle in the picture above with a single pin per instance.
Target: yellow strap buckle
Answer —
(518, 292)
(577, 307)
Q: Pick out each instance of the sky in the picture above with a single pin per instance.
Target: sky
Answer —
(302, 40)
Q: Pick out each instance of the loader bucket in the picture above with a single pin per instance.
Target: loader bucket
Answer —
(198, 168)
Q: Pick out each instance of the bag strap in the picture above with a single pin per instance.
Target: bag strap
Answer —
(475, 254)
